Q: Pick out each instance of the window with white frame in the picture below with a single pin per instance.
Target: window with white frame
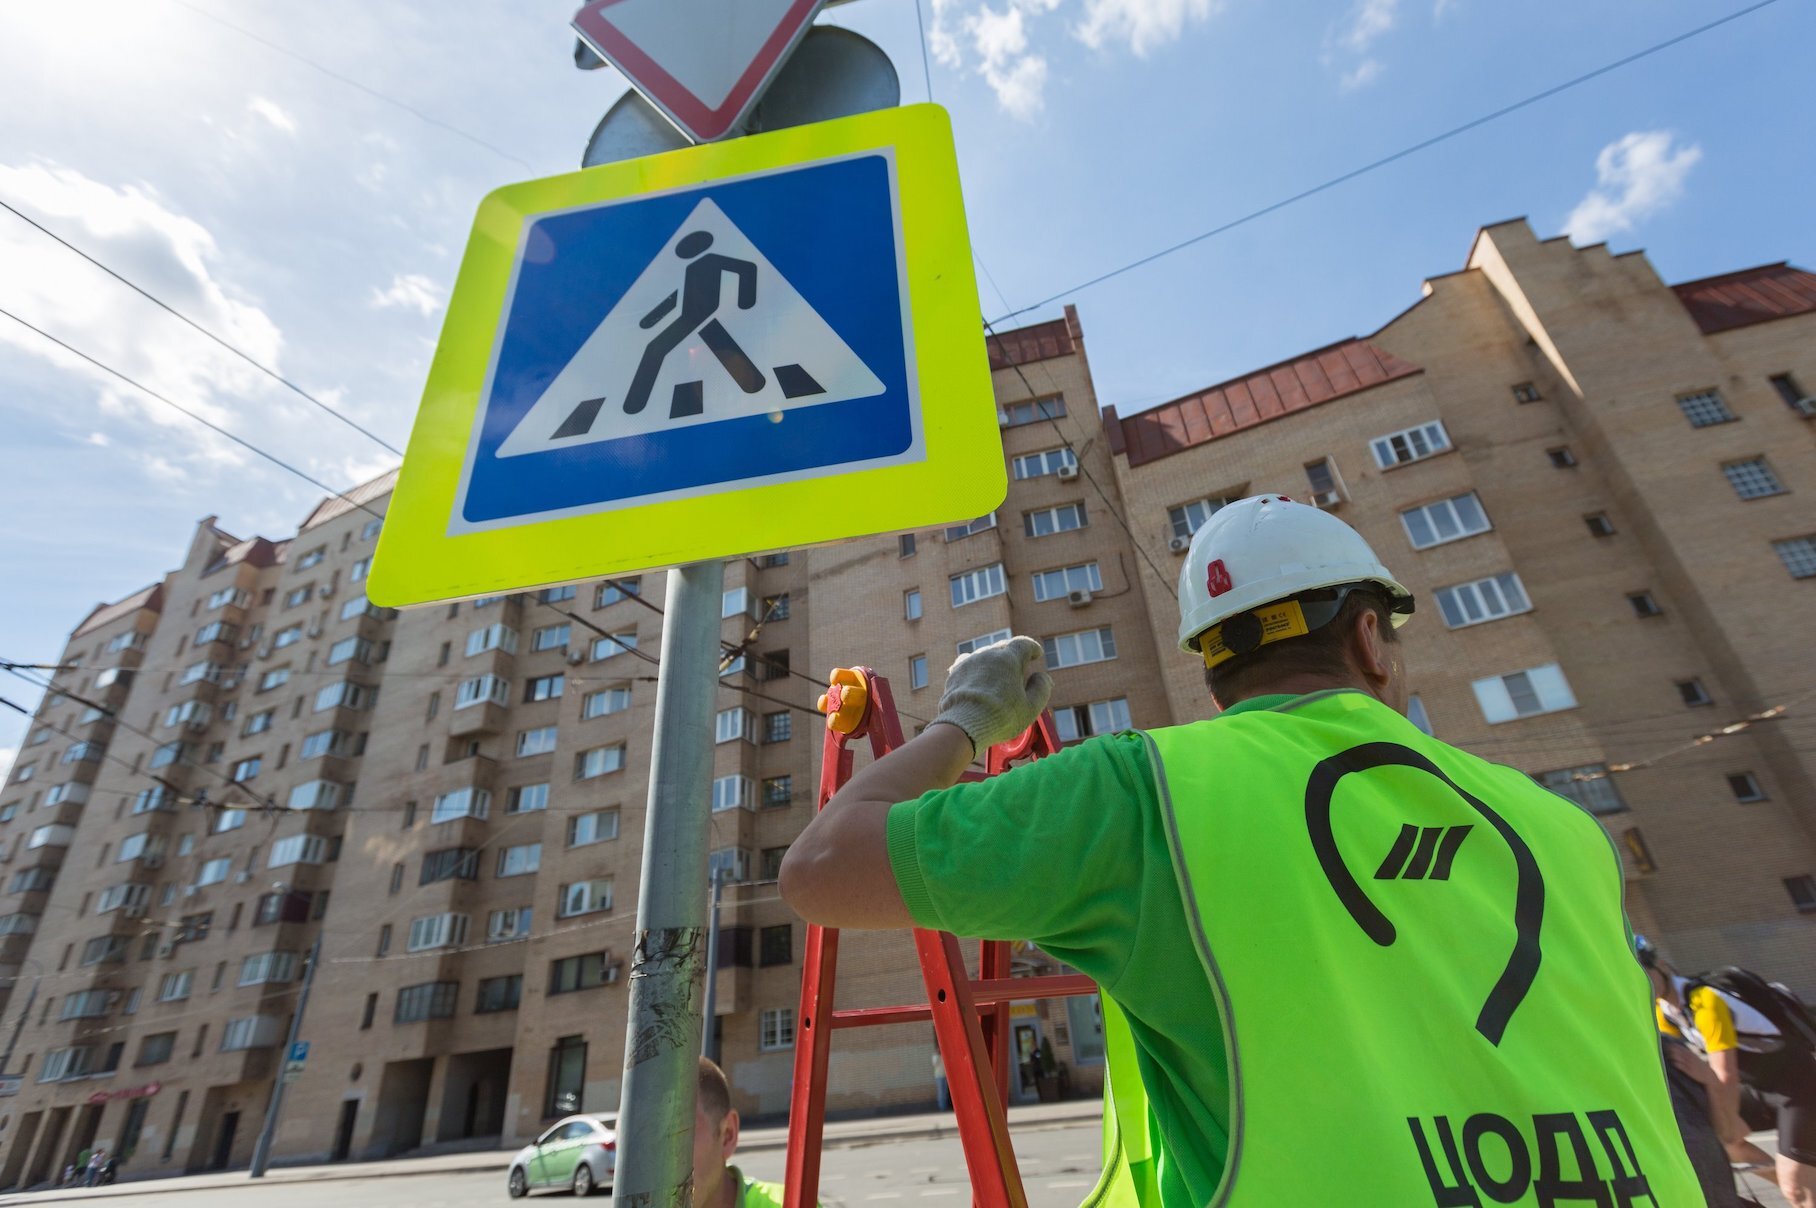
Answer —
(298, 849)
(344, 694)
(1014, 415)
(595, 827)
(159, 798)
(911, 604)
(290, 635)
(217, 631)
(130, 640)
(60, 1064)
(315, 795)
(236, 596)
(728, 864)
(350, 650)
(539, 741)
(527, 799)
(468, 802)
(174, 987)
(492, 637)
(917, 671)
(359, 570)
(1446, 520)
(371, 528)
(437, 931)
(1525, 693)
(519, 859)
(299, 596)
(555, 595)
(228, 820)
(1047, 521)
(1057, 584)
(729, 725)
(614, 590)
(250, 1032)
(551, 637)
(603, 702)
(1705, 408)
(263, 967)
(983, 524)
(87, 1004)
(190, 713)
(1410, 444)
(1798, 555)
(130, 897)
(1482, 600)
(326, 742)
(203, 670)
(312, 558)
(134, 846)
(512, 923)
(985, 639)
(486, 689)
(356, 606)
(731, 793)
(213, 872)
(55, 834)
(1188, 518)
(276, 677)
(584, 897)
(776, 1029)
(1047, 461)
(1098, 717)
(1075, 649)
(975, 585)
(598, 762)
(735, 602)
(1752, 478)
(1590, 786)
(613, 645)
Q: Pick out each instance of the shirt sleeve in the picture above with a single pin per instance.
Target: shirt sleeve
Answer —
(1052, 852)
(1714, 1020)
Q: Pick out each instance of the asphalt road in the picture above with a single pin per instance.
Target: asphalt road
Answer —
(1059, 1165)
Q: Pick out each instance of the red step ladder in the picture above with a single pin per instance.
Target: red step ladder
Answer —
(970, 1017)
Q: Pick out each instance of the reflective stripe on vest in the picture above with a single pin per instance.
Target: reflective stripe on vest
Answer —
(1422, 966)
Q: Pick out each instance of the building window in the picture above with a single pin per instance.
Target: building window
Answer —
(511, 924)
(975, 585)
(1063, 519)
(325, 742)
(734, 724)
(911, 604)
(539, 741)
(613, 645)
(1076, 649)
(1590, 786)
(614, 590)
(579, 972)
(598, 762)
(264, 967)
(1599, 524)
(1039, 465)
(1526, 392)
(917, 671)
(527, 798)
(315, 795)
(461, 803)
(1446, 520)
(1051, 407)
(775, 945)
(1321, 476)
(603, 702)
(1798, 555)
(584, 897)
(1745, 787)
(594, 827)
(518, 860)
(1417, 715)
(1752, 479)
(551, 637)
(1561, 457)
(299, 849)
(1693, 693)
(1523, 694)
(776, 1029)
(370, 1012)
(735, 602)
(1098, 717)
(556, 595)
(1058, 584)
(450, 863)
(174, 987)
(778, 791)
(492, 637)
(567, 1077)
(213, 872)
(544, 687)
(731, 792)
(775, 608)
(249, 1032)
(157, 1048)
(1705, 408)
(350, 650)
(958, 532)
(430, 1000)
(1410, 444)
(1644, 605)
(904, 545)
(1483, 600)
(499, 994)
(778, 726)
(436, 931)
(1802, 891)
(985, 639)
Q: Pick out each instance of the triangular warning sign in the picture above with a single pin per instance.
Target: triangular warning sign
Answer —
(709, 331)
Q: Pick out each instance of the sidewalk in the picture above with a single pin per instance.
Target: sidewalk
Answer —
(928, 1126)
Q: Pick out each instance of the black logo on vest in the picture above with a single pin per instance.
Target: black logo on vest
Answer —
(1496, 1159)
(1438, 847)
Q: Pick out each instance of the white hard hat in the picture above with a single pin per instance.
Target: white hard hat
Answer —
(1266, 549)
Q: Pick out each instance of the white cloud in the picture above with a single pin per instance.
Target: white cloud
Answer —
(1142, 24)
(412, 291)
(940, 39)
(1361, 75)
(1001, 41)
(99, 438)
(1636, 176)
(1347, 48)
(271, 112)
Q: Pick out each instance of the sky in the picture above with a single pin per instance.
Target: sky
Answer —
(301, 179)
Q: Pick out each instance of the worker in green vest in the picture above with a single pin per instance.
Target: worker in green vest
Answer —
(717, 1183)
(1346, 963)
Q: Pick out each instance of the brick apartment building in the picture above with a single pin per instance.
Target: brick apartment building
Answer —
(1591, 479)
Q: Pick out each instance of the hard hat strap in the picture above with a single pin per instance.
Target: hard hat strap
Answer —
(1247, 632)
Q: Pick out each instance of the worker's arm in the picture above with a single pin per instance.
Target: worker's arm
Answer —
(838, 873)
(1715, 1023)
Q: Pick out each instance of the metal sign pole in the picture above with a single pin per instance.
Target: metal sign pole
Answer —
(668, 961)
(261, 1151)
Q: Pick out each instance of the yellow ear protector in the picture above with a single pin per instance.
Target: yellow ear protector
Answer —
(1247, 632)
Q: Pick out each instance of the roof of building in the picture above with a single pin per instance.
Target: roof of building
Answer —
(1036, 342)
(359, 496)
(1344, 368)
(105, 614)
(1752, 295)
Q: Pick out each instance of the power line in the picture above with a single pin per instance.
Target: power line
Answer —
(1395, 157)
(174, 312)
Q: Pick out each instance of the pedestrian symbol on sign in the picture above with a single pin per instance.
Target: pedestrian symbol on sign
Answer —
(709, 331)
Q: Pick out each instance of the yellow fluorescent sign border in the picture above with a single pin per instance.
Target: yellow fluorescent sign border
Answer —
(420, 561)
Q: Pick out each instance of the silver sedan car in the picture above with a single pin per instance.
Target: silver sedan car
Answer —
(578, 1153)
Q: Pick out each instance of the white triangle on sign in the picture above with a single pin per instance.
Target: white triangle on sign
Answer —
(670, 356)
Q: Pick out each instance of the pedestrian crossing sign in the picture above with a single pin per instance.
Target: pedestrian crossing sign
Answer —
(740, 347)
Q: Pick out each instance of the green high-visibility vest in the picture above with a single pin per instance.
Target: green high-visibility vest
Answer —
(1422, 966)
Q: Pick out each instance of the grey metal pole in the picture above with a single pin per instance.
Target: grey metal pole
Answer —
(6, 1060)
(656, 1111)
(708, 1047)
(261, 1153)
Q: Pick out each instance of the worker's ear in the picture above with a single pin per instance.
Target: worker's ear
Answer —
(728, 1134)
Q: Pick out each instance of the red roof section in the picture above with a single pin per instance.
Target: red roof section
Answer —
(359, 496)
(148, 597)
(1025, 344)
(1317, 377)
(1753, 295)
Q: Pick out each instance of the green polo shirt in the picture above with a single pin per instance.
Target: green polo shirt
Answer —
(1071, 852)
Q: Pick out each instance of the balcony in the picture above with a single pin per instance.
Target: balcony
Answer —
(485, 717)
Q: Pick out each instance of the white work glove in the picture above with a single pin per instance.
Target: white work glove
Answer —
(995, 693)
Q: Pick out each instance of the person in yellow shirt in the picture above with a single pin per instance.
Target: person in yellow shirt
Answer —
(717, 1183)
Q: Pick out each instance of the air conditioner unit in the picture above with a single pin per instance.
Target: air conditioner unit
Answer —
(1002, 419)
(1805, 407)
(315, 631)
(1066, 473)
(611, 973)
(326, 592)
(1078, 599)
(576, 657)
(1326, 499)
(1179, 545)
